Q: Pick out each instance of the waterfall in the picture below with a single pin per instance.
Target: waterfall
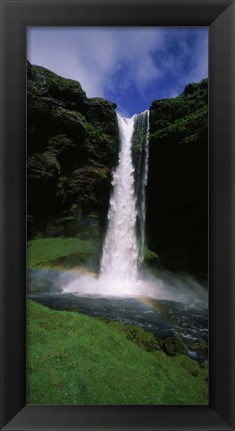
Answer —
(121, 252)
(141, 156)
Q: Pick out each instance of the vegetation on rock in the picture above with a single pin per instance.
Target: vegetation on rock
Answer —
(173, 346)
(72, 148)
(136, 334)
(177, 192)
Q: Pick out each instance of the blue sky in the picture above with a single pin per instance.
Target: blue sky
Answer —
(131, 66)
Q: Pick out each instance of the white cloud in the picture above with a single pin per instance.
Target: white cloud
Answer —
(111, 62)
(200, 64)
(92, 56)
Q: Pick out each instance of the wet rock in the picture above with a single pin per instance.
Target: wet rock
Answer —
(198, 345)
(173, 346)
(43, 174)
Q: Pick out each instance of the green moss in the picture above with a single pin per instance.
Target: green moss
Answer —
(149, 255)
(62, 180)
(42, 105)
(136, 334)
(198, 345)
(48, 160)
(176, 119)
(69, 136)
(173, 346)
(55, 83)
(74, 210)
(177, 198)
(182, 129)
(73, 260)
(71, 121)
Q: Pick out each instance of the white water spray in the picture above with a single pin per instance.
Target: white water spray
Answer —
(141, 130)
(121, 252)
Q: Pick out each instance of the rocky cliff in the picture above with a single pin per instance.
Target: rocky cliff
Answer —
(72, 148)
(177, 192)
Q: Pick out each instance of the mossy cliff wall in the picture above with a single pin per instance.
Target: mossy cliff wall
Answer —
(72, 148)
(177, 192)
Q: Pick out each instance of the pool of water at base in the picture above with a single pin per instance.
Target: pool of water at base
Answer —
(164, 318)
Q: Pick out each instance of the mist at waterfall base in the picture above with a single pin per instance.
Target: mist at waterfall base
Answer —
(123, 251)
(164, 286)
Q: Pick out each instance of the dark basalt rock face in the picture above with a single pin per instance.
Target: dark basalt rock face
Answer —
(72, 148)
(177, 191)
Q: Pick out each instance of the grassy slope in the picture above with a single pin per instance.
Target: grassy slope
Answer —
(67, 252)
(76, 359)
(44, 250)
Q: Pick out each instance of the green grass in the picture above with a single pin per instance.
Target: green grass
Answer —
(69, 252)
(76, 359)
(45, 250)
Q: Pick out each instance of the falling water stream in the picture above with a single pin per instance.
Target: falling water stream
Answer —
(122, 250)
(140, 142)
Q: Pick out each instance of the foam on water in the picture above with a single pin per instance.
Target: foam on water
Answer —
(162, 286)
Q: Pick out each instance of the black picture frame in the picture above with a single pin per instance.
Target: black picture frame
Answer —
(219, 16)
